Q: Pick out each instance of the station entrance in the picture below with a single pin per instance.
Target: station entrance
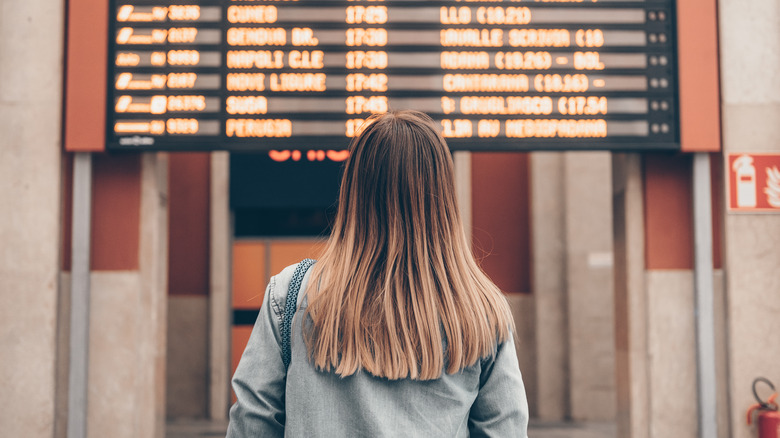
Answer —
(282, 205)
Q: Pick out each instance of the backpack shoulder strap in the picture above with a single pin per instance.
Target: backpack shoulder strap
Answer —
(290, 305)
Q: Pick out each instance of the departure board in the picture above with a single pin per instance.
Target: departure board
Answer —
(495, 75)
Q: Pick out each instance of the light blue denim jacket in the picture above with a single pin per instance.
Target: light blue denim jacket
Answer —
(487, 399)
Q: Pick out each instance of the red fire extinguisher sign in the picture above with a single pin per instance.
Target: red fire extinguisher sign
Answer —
(754, 182)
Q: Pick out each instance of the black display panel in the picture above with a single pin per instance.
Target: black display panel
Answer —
(258, 181)
(496, 75)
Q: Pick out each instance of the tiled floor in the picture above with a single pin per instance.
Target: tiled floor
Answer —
(572, 430)
(195, 429)
(209, 429)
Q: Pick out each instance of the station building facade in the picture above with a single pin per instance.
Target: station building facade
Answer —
(593, 249)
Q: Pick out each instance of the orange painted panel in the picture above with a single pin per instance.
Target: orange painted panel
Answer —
(249, 274)
(668, 191)
(500, 205)
(85, 81)
(716, 172)
(699, 80)
(668, 212)
(188, 223)
(285, 253)
(116, 212)
(239, 338)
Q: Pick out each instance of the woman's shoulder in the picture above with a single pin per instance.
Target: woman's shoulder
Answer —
(279, 286)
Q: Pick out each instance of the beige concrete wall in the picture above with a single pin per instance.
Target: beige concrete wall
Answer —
(721, 354)
(672, 354)
(753, 282)
(549, 285)
(522, 306)
(672, 366)
(671, 343)
(589, 263)
(187, 357)
(112, 401)
(750, 66)
(30, 114)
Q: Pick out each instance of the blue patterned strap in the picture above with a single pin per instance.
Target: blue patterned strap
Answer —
(290, 306)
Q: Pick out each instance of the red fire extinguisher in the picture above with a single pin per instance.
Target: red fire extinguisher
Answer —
(768, 415)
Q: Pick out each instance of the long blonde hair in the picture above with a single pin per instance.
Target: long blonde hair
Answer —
(397, 291)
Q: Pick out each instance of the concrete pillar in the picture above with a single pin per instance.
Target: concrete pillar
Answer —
(30, 195)
(654, 295)
(219, 287)
(750, 66)
(631, 368)
(153, 296)
(573, 285)
(549, 285)
(588, 206)
(187, 357)
(128, 325)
